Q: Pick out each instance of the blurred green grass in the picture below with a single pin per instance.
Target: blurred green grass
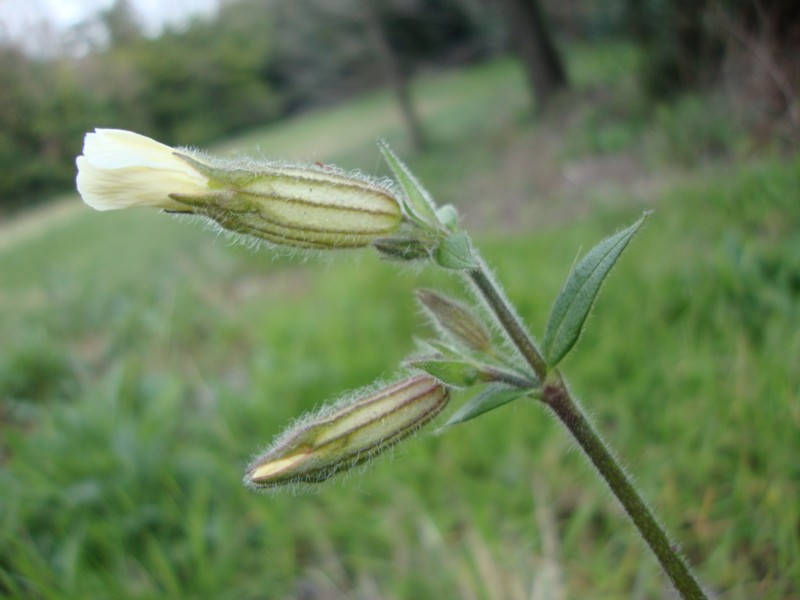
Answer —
(144, 360)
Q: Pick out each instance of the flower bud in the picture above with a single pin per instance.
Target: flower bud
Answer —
(302, 206)
(456, 321)
(346, 435)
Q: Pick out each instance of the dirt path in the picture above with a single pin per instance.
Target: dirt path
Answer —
(531, 185)
(35, 221)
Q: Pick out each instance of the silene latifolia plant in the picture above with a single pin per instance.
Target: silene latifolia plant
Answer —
(322, 208)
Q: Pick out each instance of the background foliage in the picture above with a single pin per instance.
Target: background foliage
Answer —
(144, 360)
(255, 62)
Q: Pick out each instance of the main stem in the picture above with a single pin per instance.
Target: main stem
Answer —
(556, 396)
(508, 319)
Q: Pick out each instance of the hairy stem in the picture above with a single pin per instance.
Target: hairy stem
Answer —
(508, 319)
(507, 377)
(556, 396)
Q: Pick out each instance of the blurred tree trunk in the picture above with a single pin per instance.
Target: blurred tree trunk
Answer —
(543, 64)
(681, 50)
(395, 71)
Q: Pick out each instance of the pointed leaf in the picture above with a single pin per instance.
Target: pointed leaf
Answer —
(420, 205)
(573, 304)
(492, 397)
(457, 373)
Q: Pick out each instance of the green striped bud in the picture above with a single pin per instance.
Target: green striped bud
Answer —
(347, 434)
(456, 321)
(305, 206)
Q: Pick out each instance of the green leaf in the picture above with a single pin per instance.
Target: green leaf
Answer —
(492, 397)
(420, 205)
(457, 373)
(573, 304)
(455, 252)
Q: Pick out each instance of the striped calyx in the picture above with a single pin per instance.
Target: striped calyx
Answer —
(308, 206)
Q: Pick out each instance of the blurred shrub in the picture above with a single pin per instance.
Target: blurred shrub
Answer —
(686, 43)
(37, 370)
(251, 63)
(680, 50)
(324, 51)
(44, 108)
(607, 125)
(211, 79)
(745, 275)
(695, 128)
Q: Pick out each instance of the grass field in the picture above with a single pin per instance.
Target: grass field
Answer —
(143, 360)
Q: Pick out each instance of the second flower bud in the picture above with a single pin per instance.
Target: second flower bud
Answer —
(348, 434)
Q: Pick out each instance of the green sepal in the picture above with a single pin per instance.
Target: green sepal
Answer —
(213, 203)
(402, 248)
(448, 216)
(569, 312)
(493, 396)
(419, 205)
(220, 178)
(455, 373)
(455, 252)
(439, 349)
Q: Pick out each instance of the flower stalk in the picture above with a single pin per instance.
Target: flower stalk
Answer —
(568, 411)
(557, 397)
(507, 318)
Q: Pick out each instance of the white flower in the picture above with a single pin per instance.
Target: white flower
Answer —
(305, 206)
(119, 169)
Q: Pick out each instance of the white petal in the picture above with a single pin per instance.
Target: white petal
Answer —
(115, 148)
(120, 169)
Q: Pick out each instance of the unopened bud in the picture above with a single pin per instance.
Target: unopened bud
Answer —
(304, 206)
(346, 435)
(456, 321)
